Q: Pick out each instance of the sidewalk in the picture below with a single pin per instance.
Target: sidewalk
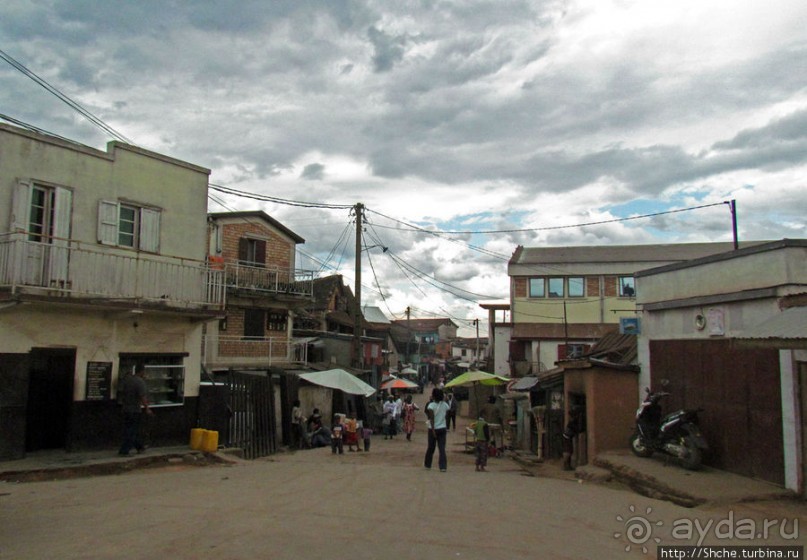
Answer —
(655, 477)
(59, 464)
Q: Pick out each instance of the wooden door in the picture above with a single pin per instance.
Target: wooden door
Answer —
(803, 408)
(13, 399)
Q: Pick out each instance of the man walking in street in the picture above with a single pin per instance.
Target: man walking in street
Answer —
(134, 398)
(453, 404)
(437, 411)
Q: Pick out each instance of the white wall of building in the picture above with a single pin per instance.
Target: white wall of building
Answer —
(502, 349)
(98, 338)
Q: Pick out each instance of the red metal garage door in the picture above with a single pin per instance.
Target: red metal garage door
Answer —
(740, 392)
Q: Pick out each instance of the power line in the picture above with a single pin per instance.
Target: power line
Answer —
(36, 129)
(548, 228)
(64, 98)
(276, 200)
(422, 274)
(375, 278)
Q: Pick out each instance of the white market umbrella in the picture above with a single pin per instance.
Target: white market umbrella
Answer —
(339, 379)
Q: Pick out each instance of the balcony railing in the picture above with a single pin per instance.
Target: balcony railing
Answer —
(72, 269)
(223, 350)
(274, 280)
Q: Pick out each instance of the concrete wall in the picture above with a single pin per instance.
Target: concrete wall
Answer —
(610, 406)
(502, 350)
(750, 271)
(101, 338)
(733, 293)
(179, 189)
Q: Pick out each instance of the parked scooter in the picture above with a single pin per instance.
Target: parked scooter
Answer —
(676, 434)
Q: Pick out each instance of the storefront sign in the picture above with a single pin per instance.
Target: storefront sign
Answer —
(99, 381)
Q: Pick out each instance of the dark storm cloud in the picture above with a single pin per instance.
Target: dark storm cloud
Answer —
(791, 129)
(313, 172)
(387, 49)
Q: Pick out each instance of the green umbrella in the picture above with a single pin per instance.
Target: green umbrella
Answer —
(476, 376)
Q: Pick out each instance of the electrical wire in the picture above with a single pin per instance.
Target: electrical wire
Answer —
(36, 129)
(276, 200)
(377, 283)
(420, 273)
(549, 228)
(341, 239)
(64, 98)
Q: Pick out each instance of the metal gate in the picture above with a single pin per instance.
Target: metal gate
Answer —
(740, 391)
(251, 426)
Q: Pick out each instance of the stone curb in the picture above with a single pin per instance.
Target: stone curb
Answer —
(113, 467)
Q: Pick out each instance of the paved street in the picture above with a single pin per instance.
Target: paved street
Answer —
(311, 504)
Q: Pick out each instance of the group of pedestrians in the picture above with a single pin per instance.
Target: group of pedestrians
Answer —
(399, 415)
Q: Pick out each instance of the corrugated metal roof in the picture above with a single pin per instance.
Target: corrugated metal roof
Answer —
(525, 383)
(615, 348)
(374, 315)
(424, 324)
(618, 253)
(790, 324)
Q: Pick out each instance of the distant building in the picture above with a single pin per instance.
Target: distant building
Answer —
(499, 333)
(379, 326)
(563, 299)
(330, 317)
(469, 351)
(425, 344)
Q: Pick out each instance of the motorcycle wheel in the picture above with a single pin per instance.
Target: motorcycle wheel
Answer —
(692, 460)
(638, 446)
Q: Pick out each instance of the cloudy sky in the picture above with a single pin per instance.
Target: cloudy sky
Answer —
(521, 118)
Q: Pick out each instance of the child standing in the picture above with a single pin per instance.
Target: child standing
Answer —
(482, 436)
(336, 435)
(351, 433)
(365, 435)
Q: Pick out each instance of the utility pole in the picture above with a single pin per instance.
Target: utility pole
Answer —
(476, 355)
(733, 208)
(358, 354)
(408, 337)
(565, 328)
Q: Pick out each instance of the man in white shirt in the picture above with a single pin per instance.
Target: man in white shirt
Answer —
(390, 423)
(398, 413)
(437, 411)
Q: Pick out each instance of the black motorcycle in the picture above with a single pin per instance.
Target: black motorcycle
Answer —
(676, 434)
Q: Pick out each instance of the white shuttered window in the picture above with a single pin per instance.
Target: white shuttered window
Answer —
(126, 225)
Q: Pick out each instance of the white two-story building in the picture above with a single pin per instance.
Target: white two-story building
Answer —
(102, 266)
